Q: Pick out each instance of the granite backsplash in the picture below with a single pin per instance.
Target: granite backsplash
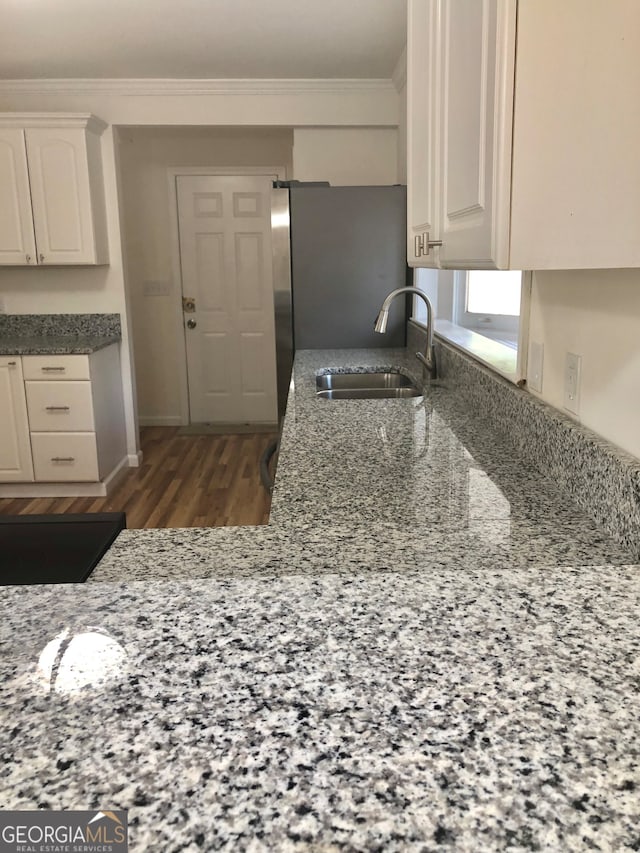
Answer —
(602, 479)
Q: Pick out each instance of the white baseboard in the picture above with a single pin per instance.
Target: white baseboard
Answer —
(160, 420)
(135, 459)
(67, 490)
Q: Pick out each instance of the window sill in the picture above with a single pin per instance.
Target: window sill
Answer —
(497, 356)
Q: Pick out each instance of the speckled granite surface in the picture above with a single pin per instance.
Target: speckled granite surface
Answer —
(381, 485)
(471, 711)
(601, 479)
(420, 652)
(419, 463)
(268, 551)
(57, 334)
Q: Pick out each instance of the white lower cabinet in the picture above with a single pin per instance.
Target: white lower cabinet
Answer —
(60, 406)
(61, 418)
(15, 448)
(65, 456)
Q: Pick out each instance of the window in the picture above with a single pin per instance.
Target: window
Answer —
(483, 312)
(488, 302)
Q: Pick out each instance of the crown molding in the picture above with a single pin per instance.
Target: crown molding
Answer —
(399, 76)
(173, 86)
(84, 120)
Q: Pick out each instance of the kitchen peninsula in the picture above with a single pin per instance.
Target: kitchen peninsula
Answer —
(429, 646)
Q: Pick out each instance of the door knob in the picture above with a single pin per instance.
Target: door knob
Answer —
(191, 324)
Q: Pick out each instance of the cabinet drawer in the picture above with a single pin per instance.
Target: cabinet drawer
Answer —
(64, 456)
(56, 366)
(60, 406)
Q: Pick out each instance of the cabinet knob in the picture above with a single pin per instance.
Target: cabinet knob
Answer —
(28, 259)
(41, 259)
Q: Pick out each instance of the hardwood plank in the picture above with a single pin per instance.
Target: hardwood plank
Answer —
(184, 481)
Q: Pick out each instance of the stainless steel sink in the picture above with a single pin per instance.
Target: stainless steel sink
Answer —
(364, 386)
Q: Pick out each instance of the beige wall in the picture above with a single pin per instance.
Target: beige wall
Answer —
(594, 314)
(145, 157)
(346, 156)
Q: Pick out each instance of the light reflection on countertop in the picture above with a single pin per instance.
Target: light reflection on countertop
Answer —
(80, 658)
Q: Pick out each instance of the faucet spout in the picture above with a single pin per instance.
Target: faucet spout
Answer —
(427, 358)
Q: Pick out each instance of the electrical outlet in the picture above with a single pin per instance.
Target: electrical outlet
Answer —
(572, 369)
(534, 371)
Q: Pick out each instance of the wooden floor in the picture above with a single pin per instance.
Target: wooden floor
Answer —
(184, 481)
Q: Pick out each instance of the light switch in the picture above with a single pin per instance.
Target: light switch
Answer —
(534, 371)
(157, 288)
(572, 369)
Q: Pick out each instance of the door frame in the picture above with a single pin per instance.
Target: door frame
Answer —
(277, 173)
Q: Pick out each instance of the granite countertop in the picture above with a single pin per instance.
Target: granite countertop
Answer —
(56, 344)
(380, 484)
(57, 334)
(428, 648)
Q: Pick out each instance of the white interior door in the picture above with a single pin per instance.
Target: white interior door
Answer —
(224, 227)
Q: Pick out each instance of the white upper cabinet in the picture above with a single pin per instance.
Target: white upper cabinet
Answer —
(534, 129)
(422, 135)
(52, 199)
(17, 240)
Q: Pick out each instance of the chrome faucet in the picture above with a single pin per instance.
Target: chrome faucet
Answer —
(428, 359)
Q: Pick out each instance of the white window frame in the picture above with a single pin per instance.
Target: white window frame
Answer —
(440, 287)
(490, 324)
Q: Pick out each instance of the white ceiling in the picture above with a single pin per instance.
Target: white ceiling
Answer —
(200, 38)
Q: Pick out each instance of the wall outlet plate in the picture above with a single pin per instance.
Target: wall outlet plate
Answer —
(572, 370)
(534, 368)
(156, 288)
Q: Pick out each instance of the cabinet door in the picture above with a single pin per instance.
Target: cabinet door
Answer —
(477, 67)
(15, 447)
(61, 196)
(422, 129)
(17, 242)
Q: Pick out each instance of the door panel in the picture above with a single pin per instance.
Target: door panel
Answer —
(210, 270)
(477, 83)
(60, 195)
(15, 447)
(249, 255)
(17, 241)
(225, 246)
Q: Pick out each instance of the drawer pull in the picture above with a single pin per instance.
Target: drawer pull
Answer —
(63, 458)
(12, 363)
(53, 369)
(57, 408)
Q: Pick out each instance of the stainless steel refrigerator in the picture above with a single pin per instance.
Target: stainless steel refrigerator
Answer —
(338, 251)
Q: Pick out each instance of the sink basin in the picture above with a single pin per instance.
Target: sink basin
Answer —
(364, 386)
